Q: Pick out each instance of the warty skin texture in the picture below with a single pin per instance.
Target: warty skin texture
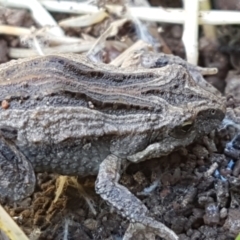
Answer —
(70, 116)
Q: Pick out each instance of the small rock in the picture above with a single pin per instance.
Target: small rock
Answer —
(208, 232)
(91, 224)
(203, 200)
(210, 144)
(189, 197)
(200, 151)
(232, 224)
(223, 213)
(196, 235)
(183, 237)
(190, 232)
(218, 158)
(178, 224)
(222, 191)
(212, 215)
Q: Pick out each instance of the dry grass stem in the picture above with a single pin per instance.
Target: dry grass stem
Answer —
(69, 7)
(15, 31)
(84, 21)
(9, 227)
(43, 33)
(37, 46)
(70, 48)
(117, 10)
(154, 14)
(61, 182)
(169, 15)
(47, 35)
(54, 40)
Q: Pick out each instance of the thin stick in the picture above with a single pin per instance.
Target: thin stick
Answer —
(74, 48)
(43, 33)
(84, 21)
(190, 34)
(15, 31)
(69, 7)
(153, 14)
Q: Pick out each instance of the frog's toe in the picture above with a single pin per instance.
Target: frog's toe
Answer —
(17, 178)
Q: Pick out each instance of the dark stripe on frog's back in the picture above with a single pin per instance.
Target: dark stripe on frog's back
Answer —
(60, 101)
(123, 90)
(53, 75)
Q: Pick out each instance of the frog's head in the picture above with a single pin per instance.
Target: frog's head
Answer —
(197, 109)
(189, 111)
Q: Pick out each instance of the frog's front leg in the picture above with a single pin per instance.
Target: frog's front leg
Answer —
(126, 203)
(17, 178)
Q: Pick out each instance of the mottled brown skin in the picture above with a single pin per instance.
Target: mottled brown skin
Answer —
(70, 116)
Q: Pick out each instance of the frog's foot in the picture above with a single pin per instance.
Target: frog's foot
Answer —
(17, 178)
(127, 204)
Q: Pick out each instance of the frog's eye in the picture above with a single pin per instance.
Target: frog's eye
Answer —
(183, 130)
(212, 111)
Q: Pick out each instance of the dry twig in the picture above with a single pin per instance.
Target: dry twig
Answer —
(74, 48)
(84, 21)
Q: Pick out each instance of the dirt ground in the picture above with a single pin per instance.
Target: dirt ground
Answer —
(194, 191)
